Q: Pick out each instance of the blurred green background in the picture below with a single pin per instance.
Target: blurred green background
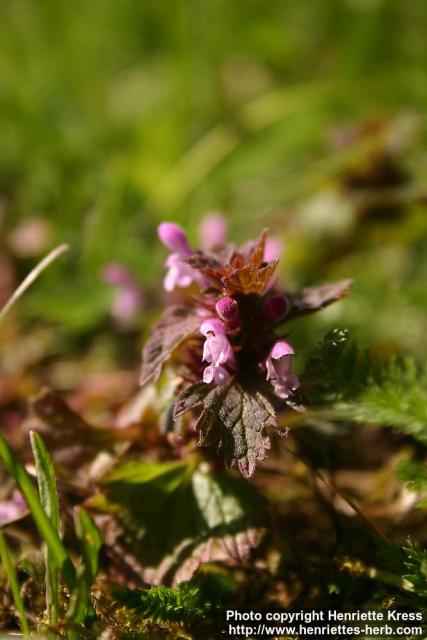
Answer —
(306, 117)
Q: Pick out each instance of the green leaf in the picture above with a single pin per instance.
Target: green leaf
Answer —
(90, 538)
(166, 476)
(163, 604)
(234, 419)
(41, 520)
(196, 605)
(14, 585)
(414, 474)
(49, 498)
(46, 479)
(176, 325)
(335, 369)
(202, 517)
(397, 397)
(416, 566)
(343, 383)
(90, 541)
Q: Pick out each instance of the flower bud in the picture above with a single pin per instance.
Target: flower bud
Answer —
(228, 309)
(174, 238)
(275, 308)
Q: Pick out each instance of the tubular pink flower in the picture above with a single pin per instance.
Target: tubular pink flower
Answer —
(217, 351)
(217, 374)
(213, 231)
(174, 238)
(279, 369)
(179, 273)
(212, 325)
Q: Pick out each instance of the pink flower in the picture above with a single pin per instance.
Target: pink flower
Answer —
(213, 231)
(127, 301)
(273, 249)
(179, 273)
(217, 351)
(115, 273)
(128, 296)
(12, 509)
(174, 238)
(212, 325)
(279, 369)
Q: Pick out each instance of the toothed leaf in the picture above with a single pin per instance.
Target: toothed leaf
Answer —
(234, 419)
(176, 325)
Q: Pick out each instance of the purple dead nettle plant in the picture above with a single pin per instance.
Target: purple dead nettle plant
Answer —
(224, 338)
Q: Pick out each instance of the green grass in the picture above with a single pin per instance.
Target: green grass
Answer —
(114, 118)
(9, 567)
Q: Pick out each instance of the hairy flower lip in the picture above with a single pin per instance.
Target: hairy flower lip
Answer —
(212, 325)
(280, 349)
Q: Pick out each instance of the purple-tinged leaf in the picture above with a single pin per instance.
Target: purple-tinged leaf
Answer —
(233, 419)
(206, 263)
(190, 398)
(313, 299)
(176, 325)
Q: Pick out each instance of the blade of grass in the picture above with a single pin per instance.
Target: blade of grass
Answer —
(41, 520)
(14, 585)
(90, 540)
(49, 499)
(33, 275)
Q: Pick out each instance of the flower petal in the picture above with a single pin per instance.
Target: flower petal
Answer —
(174, 238)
